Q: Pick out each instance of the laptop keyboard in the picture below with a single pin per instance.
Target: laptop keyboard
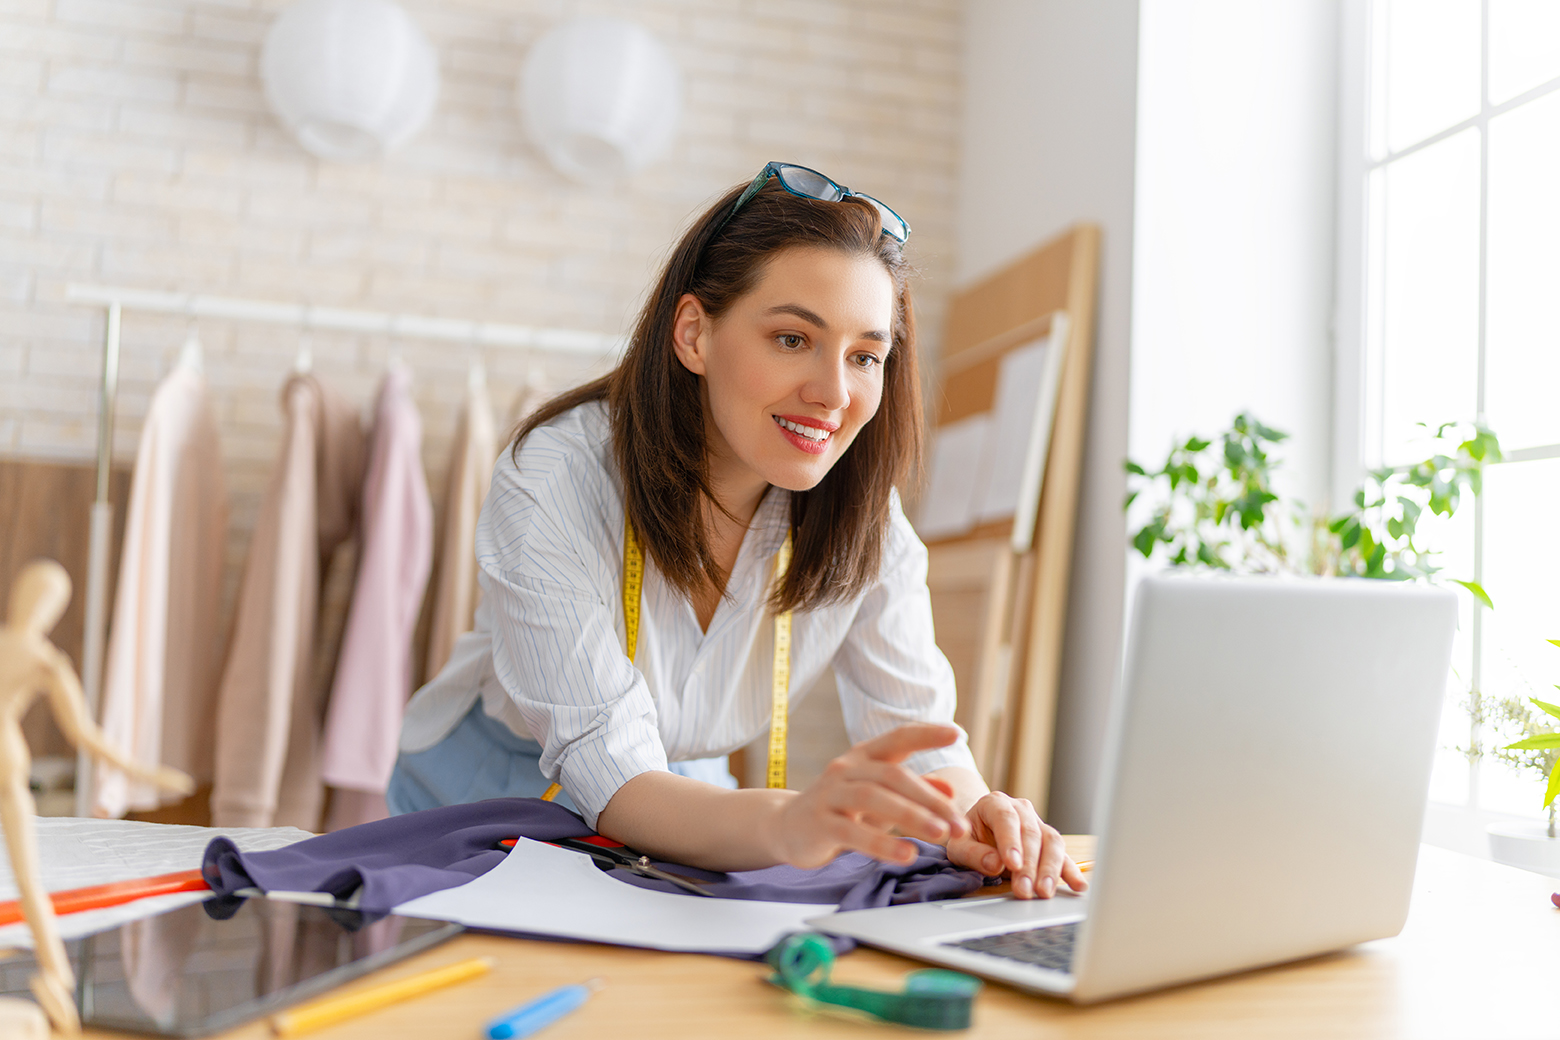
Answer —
(1050, 946)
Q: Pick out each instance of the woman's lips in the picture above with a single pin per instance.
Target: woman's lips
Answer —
(816, 444)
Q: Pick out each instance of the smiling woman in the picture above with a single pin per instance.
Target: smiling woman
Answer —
(667, 552)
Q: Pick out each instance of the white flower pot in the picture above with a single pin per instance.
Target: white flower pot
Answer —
(1525, 844)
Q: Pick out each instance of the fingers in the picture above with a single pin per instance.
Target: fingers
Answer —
(1001, 814)
(974, 854)
(1026, 880)
(879, 807)
(850, 769)
(1053, 855)
(1031, 850)
(855, 837)
(901, 742)
(1074, 877)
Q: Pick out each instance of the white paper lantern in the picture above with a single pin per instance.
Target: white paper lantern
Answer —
(351, 79)
(600, 98)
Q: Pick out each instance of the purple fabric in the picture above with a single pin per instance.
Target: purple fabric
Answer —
(407, 856)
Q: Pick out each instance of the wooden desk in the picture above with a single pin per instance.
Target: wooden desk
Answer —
(1479, 957)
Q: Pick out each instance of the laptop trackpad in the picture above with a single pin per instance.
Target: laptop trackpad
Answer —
(1062, 906)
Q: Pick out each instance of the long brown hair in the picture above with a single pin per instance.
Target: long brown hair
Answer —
(657, 415)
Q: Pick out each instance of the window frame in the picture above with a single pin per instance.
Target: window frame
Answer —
(1357, 375)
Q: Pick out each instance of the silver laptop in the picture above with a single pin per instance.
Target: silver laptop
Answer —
(1265, 781)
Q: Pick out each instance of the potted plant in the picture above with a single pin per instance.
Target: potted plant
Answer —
(1531, 844)
(1214, 505)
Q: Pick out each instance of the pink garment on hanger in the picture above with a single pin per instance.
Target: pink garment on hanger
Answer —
(374, 670)
(164, 649)
(455, 591)
(268, 711)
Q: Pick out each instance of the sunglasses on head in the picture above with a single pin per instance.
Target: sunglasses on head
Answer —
(810, 184)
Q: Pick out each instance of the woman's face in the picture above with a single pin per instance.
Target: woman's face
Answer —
(792, 370)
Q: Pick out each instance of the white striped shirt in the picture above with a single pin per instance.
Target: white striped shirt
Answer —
(546, 656)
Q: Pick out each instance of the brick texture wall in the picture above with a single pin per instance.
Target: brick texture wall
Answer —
(136, 148)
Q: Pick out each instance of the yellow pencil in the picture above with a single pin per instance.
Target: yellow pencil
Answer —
(1085, 865)
(331, 1010)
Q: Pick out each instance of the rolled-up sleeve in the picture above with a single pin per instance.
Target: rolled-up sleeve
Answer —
(549, 563)
(889, 670)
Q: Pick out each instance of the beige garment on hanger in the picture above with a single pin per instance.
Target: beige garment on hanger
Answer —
(455, 591)
(269, 710)
(165, 649)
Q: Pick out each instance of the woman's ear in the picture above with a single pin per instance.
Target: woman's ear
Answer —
(690, 333)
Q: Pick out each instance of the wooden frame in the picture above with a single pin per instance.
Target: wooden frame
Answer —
(1001, 617)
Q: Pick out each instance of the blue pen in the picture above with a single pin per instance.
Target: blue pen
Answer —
(543, 1011)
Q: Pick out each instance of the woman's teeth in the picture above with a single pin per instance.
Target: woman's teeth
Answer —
(809, 432)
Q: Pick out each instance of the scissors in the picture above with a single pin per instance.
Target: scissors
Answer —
(609, 853)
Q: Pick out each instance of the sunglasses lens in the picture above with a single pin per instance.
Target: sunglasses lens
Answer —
(893, 223)
(810, 183)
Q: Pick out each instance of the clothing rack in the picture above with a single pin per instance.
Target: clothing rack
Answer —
(307, 317)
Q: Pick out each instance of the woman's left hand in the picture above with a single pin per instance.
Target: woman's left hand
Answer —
(1007, 834)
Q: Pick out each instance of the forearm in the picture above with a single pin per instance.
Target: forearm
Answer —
(687, 821)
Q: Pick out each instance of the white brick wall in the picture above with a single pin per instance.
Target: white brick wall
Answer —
(136, 148)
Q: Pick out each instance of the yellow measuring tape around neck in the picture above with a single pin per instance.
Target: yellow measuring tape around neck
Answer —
(780, 687)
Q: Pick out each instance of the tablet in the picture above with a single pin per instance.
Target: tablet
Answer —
(189, 972)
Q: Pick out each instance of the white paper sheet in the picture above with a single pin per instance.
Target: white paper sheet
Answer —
(74, 853)
(544, 890)
(1027, 386)
(1018, 389)
(958, 476)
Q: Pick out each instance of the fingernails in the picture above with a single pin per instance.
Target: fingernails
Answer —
(1023, 888)
(993, 863)
(1015, 860)
(1048, 887)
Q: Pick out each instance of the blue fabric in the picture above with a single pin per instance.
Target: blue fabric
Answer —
(482, 758)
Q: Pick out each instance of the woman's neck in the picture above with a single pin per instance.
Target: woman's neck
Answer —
(726, 522)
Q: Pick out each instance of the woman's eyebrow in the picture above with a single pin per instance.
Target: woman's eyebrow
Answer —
(799, 311)
(814, 318)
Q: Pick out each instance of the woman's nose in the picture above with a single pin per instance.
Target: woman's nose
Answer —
(828, 385)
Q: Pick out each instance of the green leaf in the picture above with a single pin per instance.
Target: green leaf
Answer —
(1538, 743)
(1549, 709)
(1477, 590)
(1267, 433)
(1556, 642)
(1133, 467)
(1143, 542)
(1197, 444)
(1554, 785)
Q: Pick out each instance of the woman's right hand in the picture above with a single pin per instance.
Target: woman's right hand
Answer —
(864, 794)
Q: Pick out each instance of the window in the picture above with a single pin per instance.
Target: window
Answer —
(1448, 298)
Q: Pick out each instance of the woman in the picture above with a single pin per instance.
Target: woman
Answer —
(746, 450)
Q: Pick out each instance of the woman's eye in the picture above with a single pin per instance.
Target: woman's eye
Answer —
(867, 361)
(791, 341)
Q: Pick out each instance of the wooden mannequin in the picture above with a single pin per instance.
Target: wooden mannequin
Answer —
(31, 665)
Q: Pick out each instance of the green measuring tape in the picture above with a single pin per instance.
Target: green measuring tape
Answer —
(931, 999)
